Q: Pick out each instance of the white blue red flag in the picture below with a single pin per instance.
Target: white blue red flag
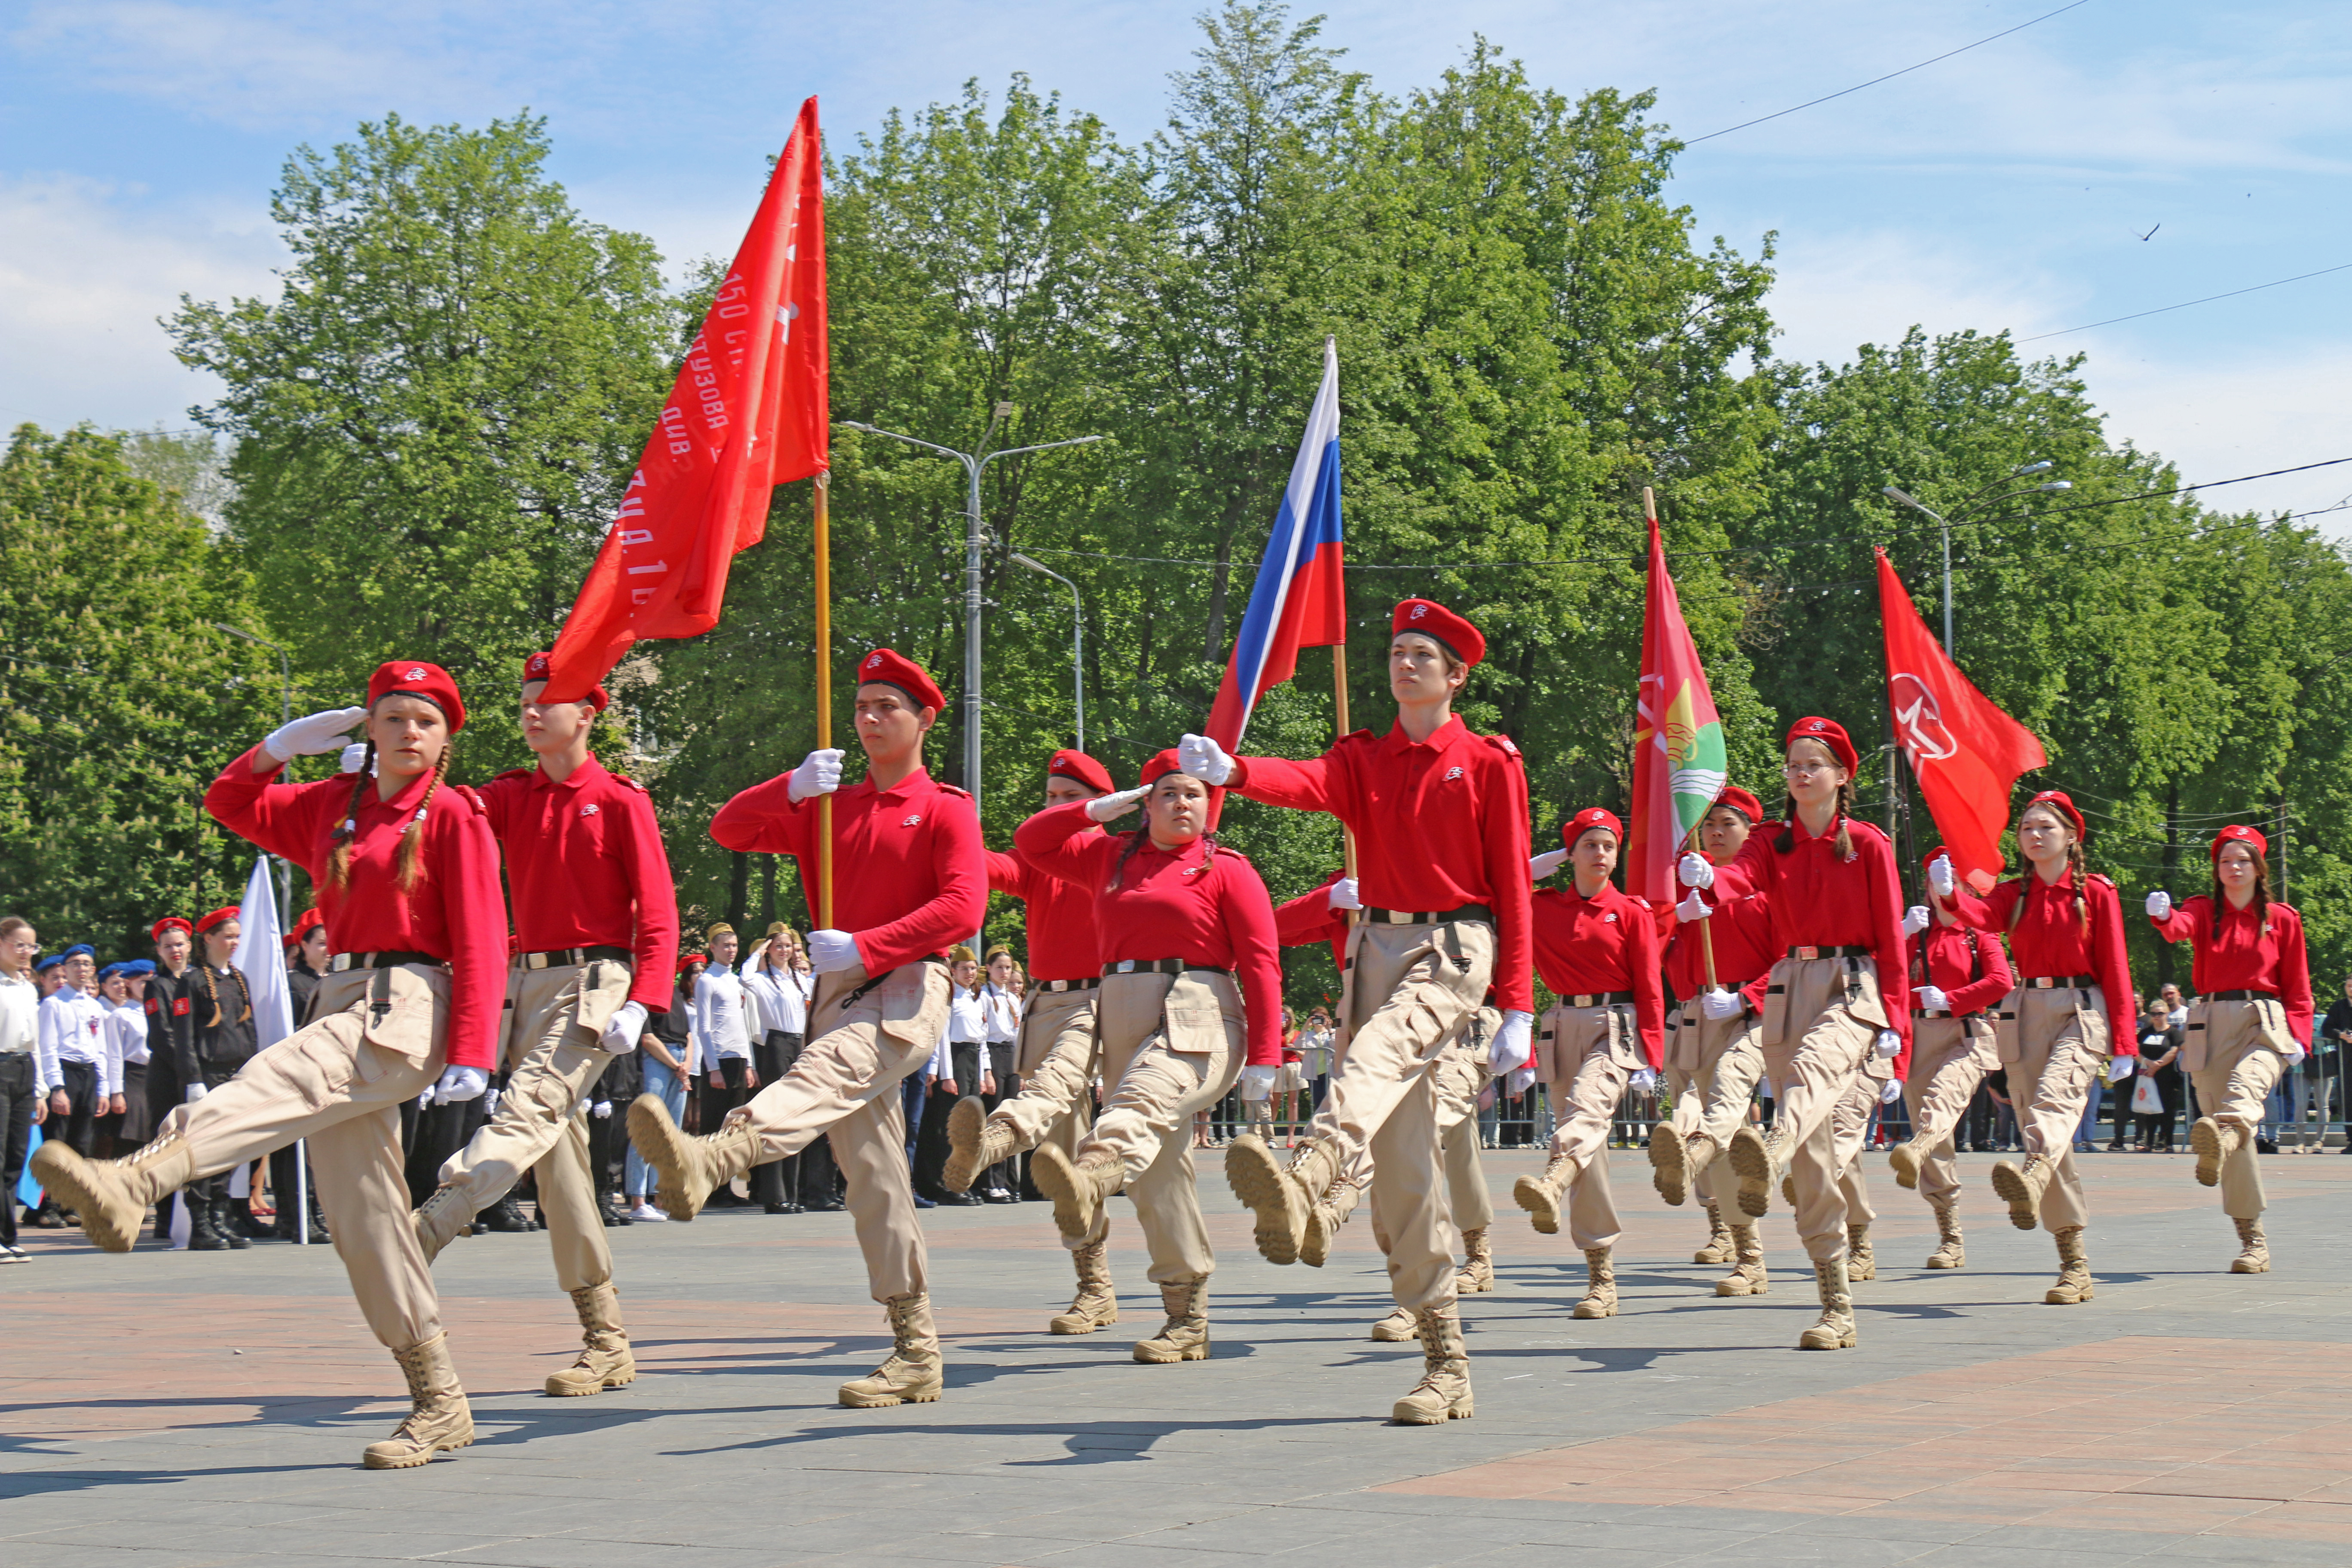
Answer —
(1300, 599)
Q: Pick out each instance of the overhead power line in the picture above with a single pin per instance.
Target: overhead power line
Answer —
(2160, 310)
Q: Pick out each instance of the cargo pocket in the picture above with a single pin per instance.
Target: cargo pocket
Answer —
(901, 998)
(1195, 1020)
(1864, 999)
(2196, 1040)
(2005, 1030)
(604, 985)
(1775, 1005)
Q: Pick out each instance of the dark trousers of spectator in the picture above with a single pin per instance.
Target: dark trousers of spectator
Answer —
(214, 1188)
(1005, 1175)
(438, 1131)
(16, 1133)
(778, 1181)
(931, 1144)
(1983, 1122)
(2120, 1094)
(77, 1128)
(726, 1086)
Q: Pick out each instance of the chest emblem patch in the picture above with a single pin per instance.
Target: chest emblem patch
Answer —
(1453, 773)
(914, 820)
(588, 810)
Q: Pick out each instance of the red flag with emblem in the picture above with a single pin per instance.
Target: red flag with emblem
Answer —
(750, 411)
(1966, 752)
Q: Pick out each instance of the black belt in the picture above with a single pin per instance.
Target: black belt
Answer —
(2242, 996)
(1161, 966)
(1928, 1013)
(1428, 917)
(2058, 982)
(1598, 998)
(342, 962)
(1806, 953)
(569, 957)
(1088, 984)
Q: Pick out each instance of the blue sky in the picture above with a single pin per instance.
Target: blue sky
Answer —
(2006, 187)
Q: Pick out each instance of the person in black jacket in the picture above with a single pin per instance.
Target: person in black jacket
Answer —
(2160, 1058)
(306, 947)
(2325, 1068)
(219, 1041)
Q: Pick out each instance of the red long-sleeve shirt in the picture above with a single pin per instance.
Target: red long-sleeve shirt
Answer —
(1607, 942)
(1309, 918)
(1741, 931)
(910, 873)
(586, 867)
(455, 913)
(1439, 823)
(2047, 938)
(1941, 956)
(2239, 955)
(1207, 907)
(1821, 900)
(1060, 919)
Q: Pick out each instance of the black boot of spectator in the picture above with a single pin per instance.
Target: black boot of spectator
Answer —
(226, 1220)
(505, 1215)
(203, 1231)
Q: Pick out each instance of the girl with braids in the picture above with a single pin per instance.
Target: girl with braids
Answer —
(1191, 986)
(219, 1043)
(408, 877)
(2250, 1021)
(2070, 1013)
(1840, 992)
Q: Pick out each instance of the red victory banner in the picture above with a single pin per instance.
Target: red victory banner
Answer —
(1680, 762)
(750, 411)
(1966, 752)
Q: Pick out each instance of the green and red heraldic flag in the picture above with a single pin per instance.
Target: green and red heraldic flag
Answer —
(1679, 762)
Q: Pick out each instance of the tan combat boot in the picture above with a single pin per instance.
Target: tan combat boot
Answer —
(1747, 1275)
(1323, 1223)
(604, 1361)
(1753, 1162)
(1906, 1160)
(1185, 1335)
(1835, 1330)
(1669, 1163)
(1443, 1393)
(2074, 1271)
(2253, 1246)
(441, 1219)
(974, 1143)
(1282, 1200)
(1599, 1286)
(2020, 1188)
(1540, 1195)
(1718, 1237)
(439, 1419)
(910, 1374)
(1950, 1252)
(1095, 1306)
(1077, 1191)
(1396, 1327)
(692, 1169)
(110, 1197)
(1477, 1274)
(1860, 1264)
(2212, 1142)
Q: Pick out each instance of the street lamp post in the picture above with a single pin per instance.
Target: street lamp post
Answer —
(1078, 642)
(285, 666)
(975, 536)
(1891, 493)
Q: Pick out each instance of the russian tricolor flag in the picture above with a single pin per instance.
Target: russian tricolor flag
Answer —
(1300, 599)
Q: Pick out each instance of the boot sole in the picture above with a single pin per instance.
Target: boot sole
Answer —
(65, 1175)
(1904, 1160)
(1075, 1328)
(884, 1401)
(2058, 1296)
(2204, 1141)
(622, 1381)
(1708, 1256)
(2239, 1266)
(1594, 1313)
(1266, 1191)
(1315, 1247)
(663, 1146)
(1406, 1338)
(1155, 1358)
(1471, 1284)
(410, 1462)
(2024, 1206)
(1948, 1263)
(1752, 1288)
(1752, 1161)
(1543, 1209)
(967, 1121)
(1669, 1163)
(1050, 1169)
(1845, 1342)
(1462, 1411)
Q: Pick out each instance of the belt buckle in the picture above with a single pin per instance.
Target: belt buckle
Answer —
(1398, 917)
(1809, 953)
(1124, 966)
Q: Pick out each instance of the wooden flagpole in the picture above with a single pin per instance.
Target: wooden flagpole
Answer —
(1339, 693)
(1705, 931)
(823, 538)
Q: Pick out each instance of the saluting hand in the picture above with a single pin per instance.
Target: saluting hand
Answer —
(1106, 807)
(1205, 760)
(819, 774)
(1543, 865)
(312, 733)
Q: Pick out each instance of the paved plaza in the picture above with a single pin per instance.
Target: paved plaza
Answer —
(167, 1410)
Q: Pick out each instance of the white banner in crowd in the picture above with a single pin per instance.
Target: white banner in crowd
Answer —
(261, 958)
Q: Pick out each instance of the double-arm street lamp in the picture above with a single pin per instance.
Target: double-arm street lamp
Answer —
(2043, 467)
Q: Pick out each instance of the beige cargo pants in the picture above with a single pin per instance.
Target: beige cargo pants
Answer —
(2235, 1053)
(1850, 1131)
(1055, 1056)
(1949, 1058)
(1461, 1077)
(1820, 1016)
(1713, 1065)
(1584, 1056)
(2054, 1049)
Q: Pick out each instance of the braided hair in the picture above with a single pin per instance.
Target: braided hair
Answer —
(212, 993)
(410, 861)
(2075, 865)
(1787, 840)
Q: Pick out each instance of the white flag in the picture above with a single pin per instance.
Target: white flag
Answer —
(261, 956)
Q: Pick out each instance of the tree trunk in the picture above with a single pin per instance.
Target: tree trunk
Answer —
(739, 889)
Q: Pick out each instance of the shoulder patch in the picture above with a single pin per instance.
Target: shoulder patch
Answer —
(1502, 743)
(515, 774)
(466, 792)
(951, 789)
(2097, 880)
(628, 783)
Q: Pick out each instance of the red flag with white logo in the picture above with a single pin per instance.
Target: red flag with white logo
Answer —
(750, 411)
(1966, 752)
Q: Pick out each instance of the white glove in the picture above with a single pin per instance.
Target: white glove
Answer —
(1104, 808)
(2159, 906)
(832, 950)
(1932, 998)
(601, 1110)
(313, 733)
(1642, 1081)
(1260, 1079)
(1889, 1046)
(622, 1028)
(819, 774)
(1543, 865)
(195, 1092)
(1512, 1044)
(1915, 920)
(460, 1083)
(1693, 909)
(1695, 871)
(2120, 1068)
(1892, 1092)
(353, 759)
(2294, 1056)
(1344, 896)
(1940, 880)
(1521, 1080)
(1203, 759)
(1719, 1003)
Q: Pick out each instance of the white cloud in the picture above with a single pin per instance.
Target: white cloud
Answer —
(2217, 419)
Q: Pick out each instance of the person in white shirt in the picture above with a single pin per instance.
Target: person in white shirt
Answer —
(999, 1004)
(125, 1042)
(20, 1100)
(958, 1063)
(777, 987)
(722, 1041)
(69, 1038)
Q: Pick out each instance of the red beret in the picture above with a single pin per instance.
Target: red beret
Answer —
(1433, 619)
(687, 960)
(1083, 768)
(885, 668)
(220, 916)
(539, 666)
(2235, 834)
(415, 679)
(1590, 818)
(2061, 801)
(1163, 764)
(1830, 733)
(1740, 801)
(169, 922)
